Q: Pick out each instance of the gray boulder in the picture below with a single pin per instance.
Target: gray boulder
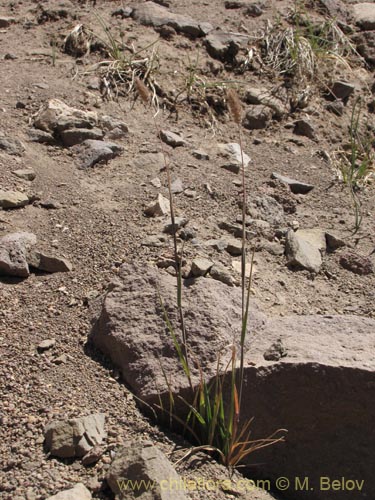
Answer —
(318, 383)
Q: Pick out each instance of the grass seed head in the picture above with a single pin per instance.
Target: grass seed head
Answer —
(234, 105)
(142, 90)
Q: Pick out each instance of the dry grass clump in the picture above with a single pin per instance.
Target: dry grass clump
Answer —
(307, 52)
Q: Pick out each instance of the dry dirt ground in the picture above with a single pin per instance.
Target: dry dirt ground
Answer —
(100, 221)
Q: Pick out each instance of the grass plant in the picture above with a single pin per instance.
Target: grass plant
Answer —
(213, 409)
(356, 162)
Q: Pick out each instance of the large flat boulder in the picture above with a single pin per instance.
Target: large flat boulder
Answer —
(312, 375)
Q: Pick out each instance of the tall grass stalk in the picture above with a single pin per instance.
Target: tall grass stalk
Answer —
(213, 416)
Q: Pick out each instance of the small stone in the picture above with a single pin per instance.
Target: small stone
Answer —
(254, 10)
(357, 264)
(46, 344)
(200, 267)
(177, 186)
(155, 241)
(221, 273)
(93, 456)
(14, 249)
(225, 45)
(60, 360)
(302, 254)
(144, 460)
(187, 234)
(91, 152)
(179, 222)
(232, 154)
(364, 15)
(156, 182)
(49, 263)
(19, 104)
(13, 199)
(275, 352)
(234, 247)
(201, 155)
(75, 437)
(334, 242)
(305, 128)
(265, 98)
(172, 139)
(336, 107)
(158, 207)
(190, 193)
(50, 205)
(74, 136)
(41, 136)
(27, 174)
(257, 117)
(5, 22)
(296, 187)
(342, 90)
(11, 146)
(218, 245)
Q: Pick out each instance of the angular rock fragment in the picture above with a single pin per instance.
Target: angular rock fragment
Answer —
(305, 128)
(233, 158)
(179, 222)
(296, 187)
(158, 207)
(75, 437)
(364, 15)
(28, 174)
(224, 45)
(48, 263)
(265, 98)
(41, 136)
(200, 267)
(14, 250)
(342, 90)
(13, 199)
(257, 117)
(11, 146)
(152, 14)
(334, 242)
(91, 152)
(5, 22)
(73, 136)
(144, 461)
(172, 139)
(301, 253)
(56, 116)
(220, 273)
